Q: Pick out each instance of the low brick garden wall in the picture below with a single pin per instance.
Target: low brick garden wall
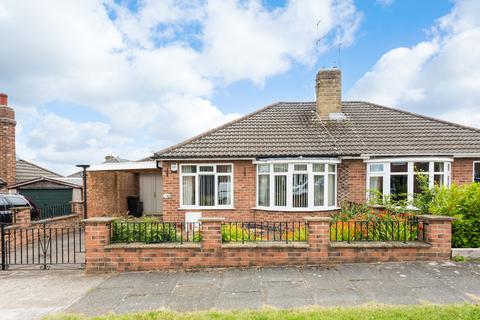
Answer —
(210, 252)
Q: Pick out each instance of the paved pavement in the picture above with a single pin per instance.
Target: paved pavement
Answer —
(344, 285)
(31, 294)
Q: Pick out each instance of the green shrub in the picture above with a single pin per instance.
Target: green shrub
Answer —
(146, 232)
(234, 232)
(462, 203)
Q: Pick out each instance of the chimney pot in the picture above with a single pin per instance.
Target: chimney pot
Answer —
(328, 88)
(3, 99)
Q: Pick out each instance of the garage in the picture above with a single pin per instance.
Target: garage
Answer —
(51, 195)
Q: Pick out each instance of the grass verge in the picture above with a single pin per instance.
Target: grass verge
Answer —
(430, 312)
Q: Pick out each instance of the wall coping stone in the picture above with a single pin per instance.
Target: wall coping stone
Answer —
(318, 219)
(99, 220)
(55, 219)
(427, 217)
(269, 244)
(139, 245)
(379, 244)
(15, 209)
(211, 219)
(469, 253)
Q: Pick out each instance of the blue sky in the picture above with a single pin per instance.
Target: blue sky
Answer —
(383, 27)
(128, 78)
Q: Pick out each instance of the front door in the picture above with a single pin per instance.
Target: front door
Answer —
(151, 193)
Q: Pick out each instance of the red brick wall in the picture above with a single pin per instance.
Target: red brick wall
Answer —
(352, 176)
(211, 252)
(462, 170)
(107, 192)
(7, 143)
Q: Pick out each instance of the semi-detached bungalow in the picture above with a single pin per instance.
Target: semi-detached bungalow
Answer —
(292, 159)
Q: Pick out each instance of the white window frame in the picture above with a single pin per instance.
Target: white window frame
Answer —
(310, 174)
(196, 206)
(386, 174)
(473, 169)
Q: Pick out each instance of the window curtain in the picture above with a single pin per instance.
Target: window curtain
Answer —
(318, 190)
(224, 190)
(300, 190)
(207, 190)
(280, 191)
(264, 190)
(188, 191)
(331, 190)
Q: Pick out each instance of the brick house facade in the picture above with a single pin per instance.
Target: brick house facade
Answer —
(351, 188)
(290, 160)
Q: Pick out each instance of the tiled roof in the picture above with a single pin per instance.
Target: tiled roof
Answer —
(28, 171)
(294, 129)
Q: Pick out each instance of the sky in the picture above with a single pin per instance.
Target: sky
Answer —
(92, 78)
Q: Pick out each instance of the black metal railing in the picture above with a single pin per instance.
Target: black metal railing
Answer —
(155, 232)
(409, 229)
(293, 231)
(53, 211)
(43, 246)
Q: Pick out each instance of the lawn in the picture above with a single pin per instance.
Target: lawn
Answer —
(430, 312)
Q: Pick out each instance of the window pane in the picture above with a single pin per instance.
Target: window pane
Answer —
(318, 167)
(206, 169)
(207, 190)
(398, 187)
(281, 191)
(331, 168)
(421, 167)
(264, 190)
(300, 190)
(399, 167)
(376, 188)
(377, 167)
(188, 190)
(438, 166)
(331, 190)
(224, 190)
(476, 170)
(438, 180)
(224, 168)
(416, 185)
(189, 169)
(318, 191)
(263, 168)
(280, 167)
(300, 167)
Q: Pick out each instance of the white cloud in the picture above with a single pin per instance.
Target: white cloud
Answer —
(433, 77)
(148, 74)
(385, 3)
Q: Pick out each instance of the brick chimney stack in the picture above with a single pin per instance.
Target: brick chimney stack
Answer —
(328, 88)
(7, 141)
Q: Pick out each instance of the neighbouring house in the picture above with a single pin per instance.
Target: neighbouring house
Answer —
(43, 186)
(293, 159)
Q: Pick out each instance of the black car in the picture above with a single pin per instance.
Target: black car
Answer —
(10, 201)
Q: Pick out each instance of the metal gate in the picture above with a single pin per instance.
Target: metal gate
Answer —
(42, 247)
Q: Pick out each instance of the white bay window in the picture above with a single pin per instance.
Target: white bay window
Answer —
(400, 180)
(206, 185)
(297, 186)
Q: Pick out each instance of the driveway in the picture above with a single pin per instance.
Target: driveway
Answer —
(344, 285)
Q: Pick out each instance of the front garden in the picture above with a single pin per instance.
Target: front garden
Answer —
(396, 220)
